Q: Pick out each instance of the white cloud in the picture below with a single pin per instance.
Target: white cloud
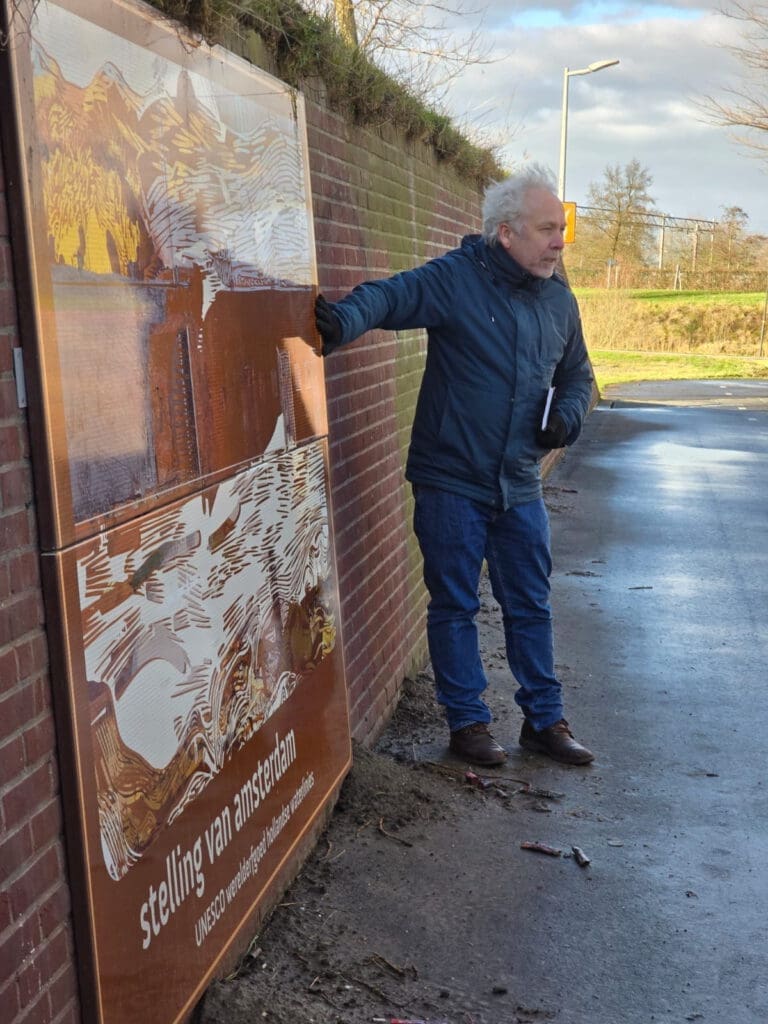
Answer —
(647, 108)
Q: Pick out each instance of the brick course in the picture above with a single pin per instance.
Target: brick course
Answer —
(381, 205)
(37, 971)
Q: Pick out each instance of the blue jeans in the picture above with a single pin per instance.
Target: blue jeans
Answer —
(455, 535)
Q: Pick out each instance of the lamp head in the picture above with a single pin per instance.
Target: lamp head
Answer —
(600, 64)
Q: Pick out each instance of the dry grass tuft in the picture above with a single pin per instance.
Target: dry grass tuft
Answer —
(616, 319)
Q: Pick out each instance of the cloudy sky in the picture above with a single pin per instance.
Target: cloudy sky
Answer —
(671, 56)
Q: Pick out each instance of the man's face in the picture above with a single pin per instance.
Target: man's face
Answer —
(538, 240)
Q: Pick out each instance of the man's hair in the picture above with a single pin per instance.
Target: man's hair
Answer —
(504, 200)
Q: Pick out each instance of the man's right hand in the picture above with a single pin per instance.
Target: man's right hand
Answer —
(327, 324)
(554, 434)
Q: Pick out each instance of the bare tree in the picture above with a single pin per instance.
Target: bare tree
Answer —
(747, 107)
(616, 226)
(420, 44)
(733, 248)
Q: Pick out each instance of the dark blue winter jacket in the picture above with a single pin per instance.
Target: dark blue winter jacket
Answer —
(498, 337)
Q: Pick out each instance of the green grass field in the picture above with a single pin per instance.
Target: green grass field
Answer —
(754, 300)
(616, 367)
(747, 299)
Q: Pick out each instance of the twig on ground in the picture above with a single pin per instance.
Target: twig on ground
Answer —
(327, 854)
(551, 851)
(379, 960)
(312, 986)
(324, 924)
(476, 780)
(529, 790)
(391, 835)
(382, 995)
(328, 1000)
(541, 808)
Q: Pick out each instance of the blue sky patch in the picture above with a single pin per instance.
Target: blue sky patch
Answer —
(602, 10)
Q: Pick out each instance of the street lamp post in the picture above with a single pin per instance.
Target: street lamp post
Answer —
(567, 74)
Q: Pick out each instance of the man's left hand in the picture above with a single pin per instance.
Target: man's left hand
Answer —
(554, 434)
(327, 324)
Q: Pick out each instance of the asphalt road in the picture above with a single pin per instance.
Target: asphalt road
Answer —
(659, 589)
(661, 598)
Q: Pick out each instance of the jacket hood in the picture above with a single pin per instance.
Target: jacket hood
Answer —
(496, 261)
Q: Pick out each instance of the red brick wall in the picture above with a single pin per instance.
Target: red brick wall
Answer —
(37, 975)
(380, 206)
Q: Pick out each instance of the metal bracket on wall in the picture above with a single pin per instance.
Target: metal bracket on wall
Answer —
(18, 373)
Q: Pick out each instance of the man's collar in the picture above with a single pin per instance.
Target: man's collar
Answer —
(502, 265)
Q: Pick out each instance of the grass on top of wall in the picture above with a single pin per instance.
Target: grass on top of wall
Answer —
(305, 46)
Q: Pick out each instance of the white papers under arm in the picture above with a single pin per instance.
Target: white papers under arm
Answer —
(547, 407)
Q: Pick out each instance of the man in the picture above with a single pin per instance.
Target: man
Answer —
(502, 328)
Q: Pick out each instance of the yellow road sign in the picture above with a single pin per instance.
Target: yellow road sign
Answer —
(570, 222)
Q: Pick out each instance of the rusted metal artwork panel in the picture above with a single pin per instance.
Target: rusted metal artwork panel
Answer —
(188, 553)
(173, 259)
(210, 717)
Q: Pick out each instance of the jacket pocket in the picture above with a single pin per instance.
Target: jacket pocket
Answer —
(552, 345)
(473, 430)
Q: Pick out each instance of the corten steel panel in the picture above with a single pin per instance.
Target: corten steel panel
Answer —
(188, 556)
(209, 717)
(172, 259)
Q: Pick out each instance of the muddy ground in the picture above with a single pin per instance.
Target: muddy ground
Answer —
(321, 958)
(313, 962)
(351, 941)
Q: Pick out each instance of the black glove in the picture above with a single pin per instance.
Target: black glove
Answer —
(327, 324)
(554, 434)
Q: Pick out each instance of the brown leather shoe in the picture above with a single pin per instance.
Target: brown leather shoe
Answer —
(556, 741)
(474, 743)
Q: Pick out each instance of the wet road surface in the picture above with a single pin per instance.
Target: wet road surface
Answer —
(661, 602)
(659, 519)
(660, 531)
